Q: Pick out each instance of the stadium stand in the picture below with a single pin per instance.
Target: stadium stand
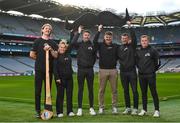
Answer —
(28, 26)
(23, 30)
(14, 65)
(20, 64)
(5, 70)
(172, 65)
(25, 60)
(9, 24)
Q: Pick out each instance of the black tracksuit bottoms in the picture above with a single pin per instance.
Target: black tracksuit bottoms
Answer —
(126, 79)
(145, 80)
(88, 74)
(65, 85)
(40, 77)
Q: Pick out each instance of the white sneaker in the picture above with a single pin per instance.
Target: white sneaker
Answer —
(92, 112)
(156, 113)
(60, 115)
(101, 111)
(134, 112)
(142, 113)
(71, 114)
(79, 112)
(127, 111)
(114, 110)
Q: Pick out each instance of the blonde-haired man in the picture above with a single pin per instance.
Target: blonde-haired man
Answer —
(38, 54)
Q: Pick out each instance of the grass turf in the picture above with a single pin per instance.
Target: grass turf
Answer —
(17, 100)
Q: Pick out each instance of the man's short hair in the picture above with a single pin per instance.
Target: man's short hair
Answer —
(109, 33)
(125, 34)
(47, 24)
(86, 31)
(145, 36)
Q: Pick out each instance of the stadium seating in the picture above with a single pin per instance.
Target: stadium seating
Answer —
(9, 24)
(28, 26)
(13, 65)
(20, 64)
(31, 26)
(171, 65)
(4, 70)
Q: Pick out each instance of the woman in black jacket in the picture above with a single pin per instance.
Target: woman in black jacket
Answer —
(64, 81)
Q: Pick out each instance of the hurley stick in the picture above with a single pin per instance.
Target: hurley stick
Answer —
(47, 113)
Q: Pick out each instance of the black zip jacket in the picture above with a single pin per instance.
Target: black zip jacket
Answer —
(107, 54)
(86, 52)
(147, 60)
(126, 54)
(63, 65)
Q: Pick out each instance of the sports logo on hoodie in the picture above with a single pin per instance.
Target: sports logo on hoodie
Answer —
(90, 48)
(66, 58)
(147, 54)
(125, 49)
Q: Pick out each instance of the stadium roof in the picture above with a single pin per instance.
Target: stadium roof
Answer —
(51, 9)
(45, 8)
(164, 19)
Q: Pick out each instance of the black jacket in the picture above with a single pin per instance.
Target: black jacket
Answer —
(107, 54)
(63, 67)
(63, 64)
(86, 52)
(147, 60)
(126, 54)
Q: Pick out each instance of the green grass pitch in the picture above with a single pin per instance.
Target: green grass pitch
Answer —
(17, 101)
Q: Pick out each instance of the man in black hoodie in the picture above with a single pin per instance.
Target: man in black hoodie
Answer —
(148, 63)
(107, 63)
(86, 57)
(126, 55)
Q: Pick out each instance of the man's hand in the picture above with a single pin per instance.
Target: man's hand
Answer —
(71, 30)
(80, 29)
(33, 55)
(129, 41)
(58, 81)
(100, 27)
(47, 47)
(129, 23)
